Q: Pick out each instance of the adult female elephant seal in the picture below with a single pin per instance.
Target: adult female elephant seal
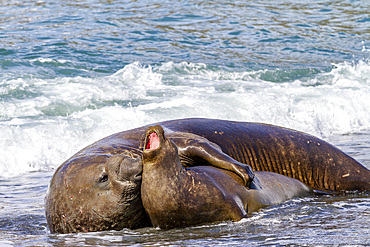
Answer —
(175, 196)
(88, 193)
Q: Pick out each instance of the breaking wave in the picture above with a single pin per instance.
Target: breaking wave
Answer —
(43, 121)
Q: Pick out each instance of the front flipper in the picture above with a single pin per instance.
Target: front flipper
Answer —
(198, 152)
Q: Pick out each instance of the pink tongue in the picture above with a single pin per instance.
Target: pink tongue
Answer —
(153, 142)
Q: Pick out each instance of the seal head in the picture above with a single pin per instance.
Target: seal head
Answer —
(96, 195)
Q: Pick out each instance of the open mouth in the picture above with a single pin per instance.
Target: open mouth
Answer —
(152, 141)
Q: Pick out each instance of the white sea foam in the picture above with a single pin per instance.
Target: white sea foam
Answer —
(49, 60)
(43, 122)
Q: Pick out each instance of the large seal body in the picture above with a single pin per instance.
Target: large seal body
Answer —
(288, 152)
(175, 196)
(93, 190)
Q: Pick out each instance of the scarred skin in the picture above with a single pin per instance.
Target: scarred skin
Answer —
(175, 196)
(96, 195)
(81, 197)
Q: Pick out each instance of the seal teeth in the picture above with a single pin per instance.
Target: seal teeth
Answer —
(152, 142)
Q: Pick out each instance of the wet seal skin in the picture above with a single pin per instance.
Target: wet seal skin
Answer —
(175, 196)
(97, 196)
(74, 200)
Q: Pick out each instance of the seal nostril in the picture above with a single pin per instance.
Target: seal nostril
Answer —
(137, 177)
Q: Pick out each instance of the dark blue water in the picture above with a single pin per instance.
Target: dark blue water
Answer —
(72, 72)
(103, 36)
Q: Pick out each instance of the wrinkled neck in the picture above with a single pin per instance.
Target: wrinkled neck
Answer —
(163, 162)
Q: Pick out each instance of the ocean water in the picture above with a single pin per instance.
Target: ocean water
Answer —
(72, 72)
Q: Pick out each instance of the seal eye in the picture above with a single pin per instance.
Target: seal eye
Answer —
(103, 178)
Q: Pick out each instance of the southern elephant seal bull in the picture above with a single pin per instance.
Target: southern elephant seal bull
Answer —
(95, 189)
(175, 196)
(88, 193)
